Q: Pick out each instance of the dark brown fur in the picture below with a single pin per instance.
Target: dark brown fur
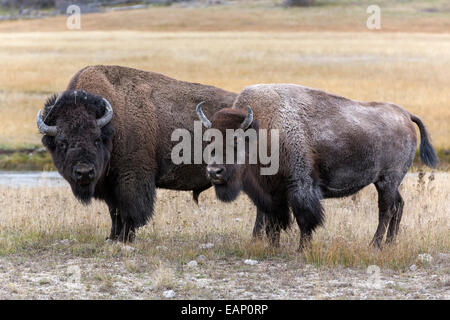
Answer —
(134, 157)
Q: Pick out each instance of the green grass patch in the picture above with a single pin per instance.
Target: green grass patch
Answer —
(22, 161)
(32, 158)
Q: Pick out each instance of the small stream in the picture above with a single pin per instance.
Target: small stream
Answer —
(17, 179)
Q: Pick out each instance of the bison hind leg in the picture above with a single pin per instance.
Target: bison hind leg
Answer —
(390, 207)
(394, 225)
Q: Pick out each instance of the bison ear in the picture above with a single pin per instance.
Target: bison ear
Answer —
(107, 136)
(254, 125)
(49, 143)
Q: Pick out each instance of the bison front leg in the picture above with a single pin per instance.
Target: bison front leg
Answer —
(273, 230)
(278, 219)
(273, 219)
(127, 234)
(266, 224)
(308, 213)
(116, 223)
(135, 195)
(258, 229)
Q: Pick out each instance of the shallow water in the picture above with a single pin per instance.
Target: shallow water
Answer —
(31, 179)
(17, 179)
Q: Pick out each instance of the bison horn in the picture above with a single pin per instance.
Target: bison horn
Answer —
(202, 116)
(248, 119)
(43, 128)
(52, 130)
(103, 121)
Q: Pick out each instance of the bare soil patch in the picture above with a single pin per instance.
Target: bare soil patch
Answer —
(61, 276)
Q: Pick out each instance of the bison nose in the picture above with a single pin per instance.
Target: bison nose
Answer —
(84, 173)
(216, 173)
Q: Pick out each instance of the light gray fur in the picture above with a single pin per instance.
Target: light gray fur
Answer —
(331, 146)
(314, 123)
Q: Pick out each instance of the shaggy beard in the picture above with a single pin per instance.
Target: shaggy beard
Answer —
(84, 193)
(227, 192)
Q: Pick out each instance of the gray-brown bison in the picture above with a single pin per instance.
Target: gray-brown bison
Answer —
(329, 146)
(109, 135)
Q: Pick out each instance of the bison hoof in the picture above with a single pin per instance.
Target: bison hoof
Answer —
(304, 246)
(376, 244)
(126, 237)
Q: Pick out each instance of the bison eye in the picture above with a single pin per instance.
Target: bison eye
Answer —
(98, 142)
(62, 145)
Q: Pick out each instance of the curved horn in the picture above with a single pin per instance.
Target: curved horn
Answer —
(248, 119)
(43, 128)
(202, 116)
(103, 121)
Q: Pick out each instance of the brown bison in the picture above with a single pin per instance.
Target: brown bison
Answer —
(329, 147)
(109, 135)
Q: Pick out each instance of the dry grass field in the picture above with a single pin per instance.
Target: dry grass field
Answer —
(236, 45)
(43, 232)
(53, 247)
(412, 70)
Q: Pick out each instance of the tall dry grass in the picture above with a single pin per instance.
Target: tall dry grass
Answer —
(33, 220)
(409, 69)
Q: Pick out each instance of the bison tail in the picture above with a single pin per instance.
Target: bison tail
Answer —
(426, 151)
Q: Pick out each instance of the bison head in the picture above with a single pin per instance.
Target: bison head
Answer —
(77, 134)
(227, 177)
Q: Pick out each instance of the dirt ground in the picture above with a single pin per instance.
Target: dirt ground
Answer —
(60, 276)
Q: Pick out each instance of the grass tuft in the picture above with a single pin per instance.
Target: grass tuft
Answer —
(47, 220)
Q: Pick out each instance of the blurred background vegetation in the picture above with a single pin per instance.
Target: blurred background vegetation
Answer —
(230, 44)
